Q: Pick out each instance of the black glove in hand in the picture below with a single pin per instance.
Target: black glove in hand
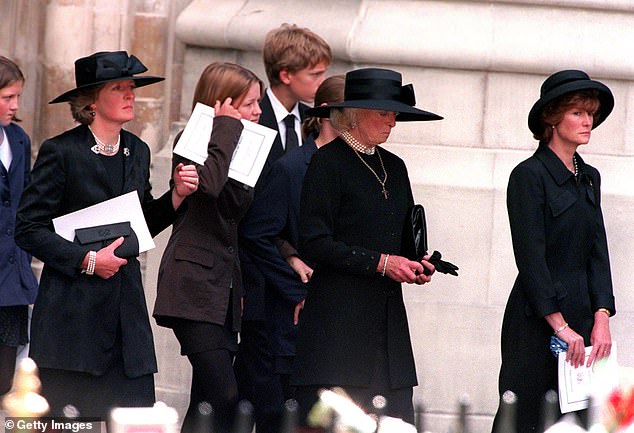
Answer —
(441, 266)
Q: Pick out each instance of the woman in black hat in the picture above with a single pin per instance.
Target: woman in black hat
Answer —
(355, 199)
(90, 333)
(564, 287)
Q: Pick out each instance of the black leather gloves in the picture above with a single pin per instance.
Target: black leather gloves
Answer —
(441, 266)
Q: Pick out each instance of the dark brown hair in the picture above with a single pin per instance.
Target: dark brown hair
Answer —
(9, 74)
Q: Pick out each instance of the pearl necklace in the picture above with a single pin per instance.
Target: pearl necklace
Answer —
(574, 163)
(354, 143)
(105, 148)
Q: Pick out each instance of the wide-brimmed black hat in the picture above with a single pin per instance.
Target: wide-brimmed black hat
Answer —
(378, 89)
(568, 81)
(106, 66)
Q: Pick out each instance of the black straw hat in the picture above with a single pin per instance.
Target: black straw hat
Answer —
(106, 66)
(378, 89)
(568, 81)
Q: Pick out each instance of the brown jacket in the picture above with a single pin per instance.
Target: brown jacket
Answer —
(199, 276)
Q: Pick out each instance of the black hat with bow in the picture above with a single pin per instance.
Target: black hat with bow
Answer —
(104, 67)
(378, 89)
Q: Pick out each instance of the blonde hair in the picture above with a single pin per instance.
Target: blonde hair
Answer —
(329, 92)
(343, 119)
(80, 103)
(220, 81)
(293, 48)
(553, 113)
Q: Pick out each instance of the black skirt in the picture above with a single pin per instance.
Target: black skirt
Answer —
(14, 325)
(95, 396)
(196, 337)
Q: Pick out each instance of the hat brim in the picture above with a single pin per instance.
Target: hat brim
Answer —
(606, 102)
(138, 82)
(406, 113)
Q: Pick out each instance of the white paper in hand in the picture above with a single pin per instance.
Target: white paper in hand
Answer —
(249, 156)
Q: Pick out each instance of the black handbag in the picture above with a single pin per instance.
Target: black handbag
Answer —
(416, 242)
(98, 237)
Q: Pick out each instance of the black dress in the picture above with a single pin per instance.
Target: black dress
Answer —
(561, 253)
(353, 331)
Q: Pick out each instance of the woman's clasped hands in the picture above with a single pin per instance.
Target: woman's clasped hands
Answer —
(403, 270)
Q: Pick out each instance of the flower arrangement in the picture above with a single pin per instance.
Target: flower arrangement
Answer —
(618, 411)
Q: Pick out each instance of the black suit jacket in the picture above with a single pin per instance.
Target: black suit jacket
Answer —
(274, 214)
(253, 279)
(75, 316)
(267, 118)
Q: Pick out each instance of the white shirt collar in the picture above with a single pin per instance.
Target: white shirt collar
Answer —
(278, 109)
(5, 150)
(280, 113)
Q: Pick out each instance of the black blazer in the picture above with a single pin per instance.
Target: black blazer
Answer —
(275, 213)
(75, 316)
(199, 276)
(253, 279)
(267, 118)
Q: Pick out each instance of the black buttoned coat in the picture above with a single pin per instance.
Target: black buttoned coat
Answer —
(75, 316)
(561, 253)
(18, 285)
(199, 276)
(351, 311)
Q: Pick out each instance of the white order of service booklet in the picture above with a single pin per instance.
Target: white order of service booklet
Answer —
(126, 207)
(576, 384)
(249, 156)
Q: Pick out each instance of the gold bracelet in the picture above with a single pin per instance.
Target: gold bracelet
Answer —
(564, 326)
(604, 310)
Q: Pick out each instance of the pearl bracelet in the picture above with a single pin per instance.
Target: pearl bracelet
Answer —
(92, 261)
(387, 256)
(604, 310)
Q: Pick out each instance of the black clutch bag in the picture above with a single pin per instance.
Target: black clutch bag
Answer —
(418, 231)
(415, 236)
(98, 237)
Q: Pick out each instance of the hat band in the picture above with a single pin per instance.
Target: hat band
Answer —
(379, 90)
(106, 69)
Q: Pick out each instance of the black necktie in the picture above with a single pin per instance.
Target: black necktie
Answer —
(291, 136)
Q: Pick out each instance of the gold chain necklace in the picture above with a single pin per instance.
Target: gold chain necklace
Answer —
(354, 144)
(382, 182)
(346, 136)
